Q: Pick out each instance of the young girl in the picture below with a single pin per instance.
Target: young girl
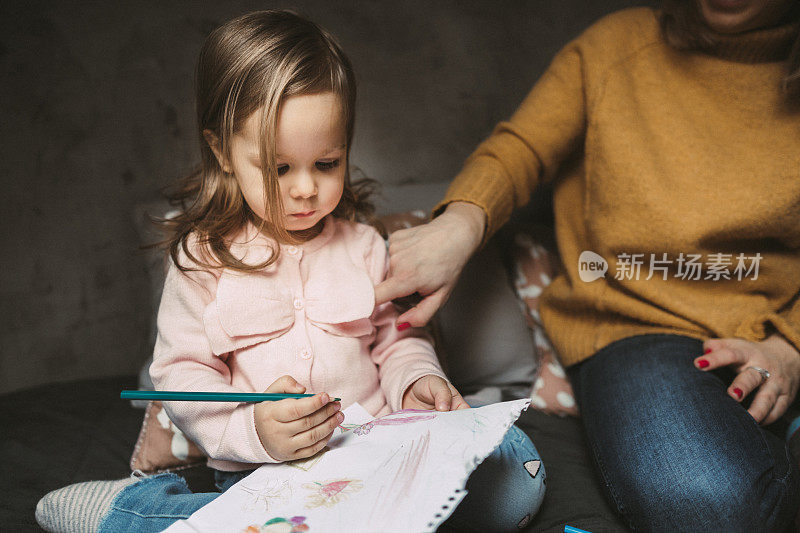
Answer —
(271, 289)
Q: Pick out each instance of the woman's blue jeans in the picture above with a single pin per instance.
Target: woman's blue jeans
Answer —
(502, 494)
(675, 452)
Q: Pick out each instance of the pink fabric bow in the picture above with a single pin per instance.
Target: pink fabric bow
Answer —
(256, 307)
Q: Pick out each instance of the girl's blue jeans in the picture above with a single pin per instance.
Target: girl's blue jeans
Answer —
(502, 494)
(675, 452)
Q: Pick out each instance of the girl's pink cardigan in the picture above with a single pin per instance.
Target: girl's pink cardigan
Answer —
(310, 315)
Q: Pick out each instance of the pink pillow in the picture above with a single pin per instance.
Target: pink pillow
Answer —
(534, 268)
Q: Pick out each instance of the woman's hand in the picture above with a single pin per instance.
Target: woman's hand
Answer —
(296, 428)
(428, 259)
(430, 392)
(773, 354)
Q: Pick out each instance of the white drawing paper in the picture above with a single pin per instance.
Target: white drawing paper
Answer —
(404, 472)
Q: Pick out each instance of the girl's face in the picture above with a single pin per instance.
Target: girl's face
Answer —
(734, 16)
(311, 157)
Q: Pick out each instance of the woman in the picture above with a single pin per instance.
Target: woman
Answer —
(673, 140)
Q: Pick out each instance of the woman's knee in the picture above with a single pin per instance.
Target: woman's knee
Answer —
(675, 451)
(695, 493)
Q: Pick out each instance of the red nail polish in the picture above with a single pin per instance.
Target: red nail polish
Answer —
(702, 363)
(404, 325)
(738, 392)
(707, 351)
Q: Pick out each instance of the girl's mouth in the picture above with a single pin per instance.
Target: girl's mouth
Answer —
(303, 215)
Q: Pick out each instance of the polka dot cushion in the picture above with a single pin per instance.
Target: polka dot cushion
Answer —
(398, 221)
(534, 268)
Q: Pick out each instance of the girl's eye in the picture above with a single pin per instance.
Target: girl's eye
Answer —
(327, 165)
(283, 169)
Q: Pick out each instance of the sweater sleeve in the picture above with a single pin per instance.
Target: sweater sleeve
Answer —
(402, 356)
(183, 360)
(503, 171)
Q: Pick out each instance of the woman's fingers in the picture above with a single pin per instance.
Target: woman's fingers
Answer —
(743, 384)
(429, 258)
(722, 355)
(781, 404)
(771, 396)
(393, 287)
(420, 314)
(765, 400)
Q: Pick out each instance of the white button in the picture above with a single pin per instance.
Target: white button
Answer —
(298, 303)
(305, 354)
(291, 249)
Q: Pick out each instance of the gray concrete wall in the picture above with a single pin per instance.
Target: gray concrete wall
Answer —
(97, 116)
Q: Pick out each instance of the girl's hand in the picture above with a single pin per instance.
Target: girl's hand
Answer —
(428, 259)
(430, 392)
(296, 428)
(773, 354)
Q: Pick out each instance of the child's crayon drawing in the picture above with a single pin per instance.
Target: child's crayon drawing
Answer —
(331, 492)
(407, 462)
(389, 420)
(479, 423)
(308, 463)
(348, 427)
(409, 474)
(263, 495)
(295, 524)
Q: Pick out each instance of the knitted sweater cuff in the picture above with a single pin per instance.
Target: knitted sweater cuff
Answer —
(481, 185)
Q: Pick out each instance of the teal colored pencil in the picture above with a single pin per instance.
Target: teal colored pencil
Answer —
(209, 396)
(570, 529)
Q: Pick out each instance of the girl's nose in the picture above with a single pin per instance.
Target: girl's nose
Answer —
(303, 187)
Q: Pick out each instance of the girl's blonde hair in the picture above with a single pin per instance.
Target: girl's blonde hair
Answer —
(248, 64)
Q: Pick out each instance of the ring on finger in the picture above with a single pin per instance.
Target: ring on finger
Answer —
(763, 371)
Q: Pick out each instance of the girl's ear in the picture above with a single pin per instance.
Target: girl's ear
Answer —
(216, 146)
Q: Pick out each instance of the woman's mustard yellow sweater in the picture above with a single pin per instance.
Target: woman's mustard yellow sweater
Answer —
(656, 151)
